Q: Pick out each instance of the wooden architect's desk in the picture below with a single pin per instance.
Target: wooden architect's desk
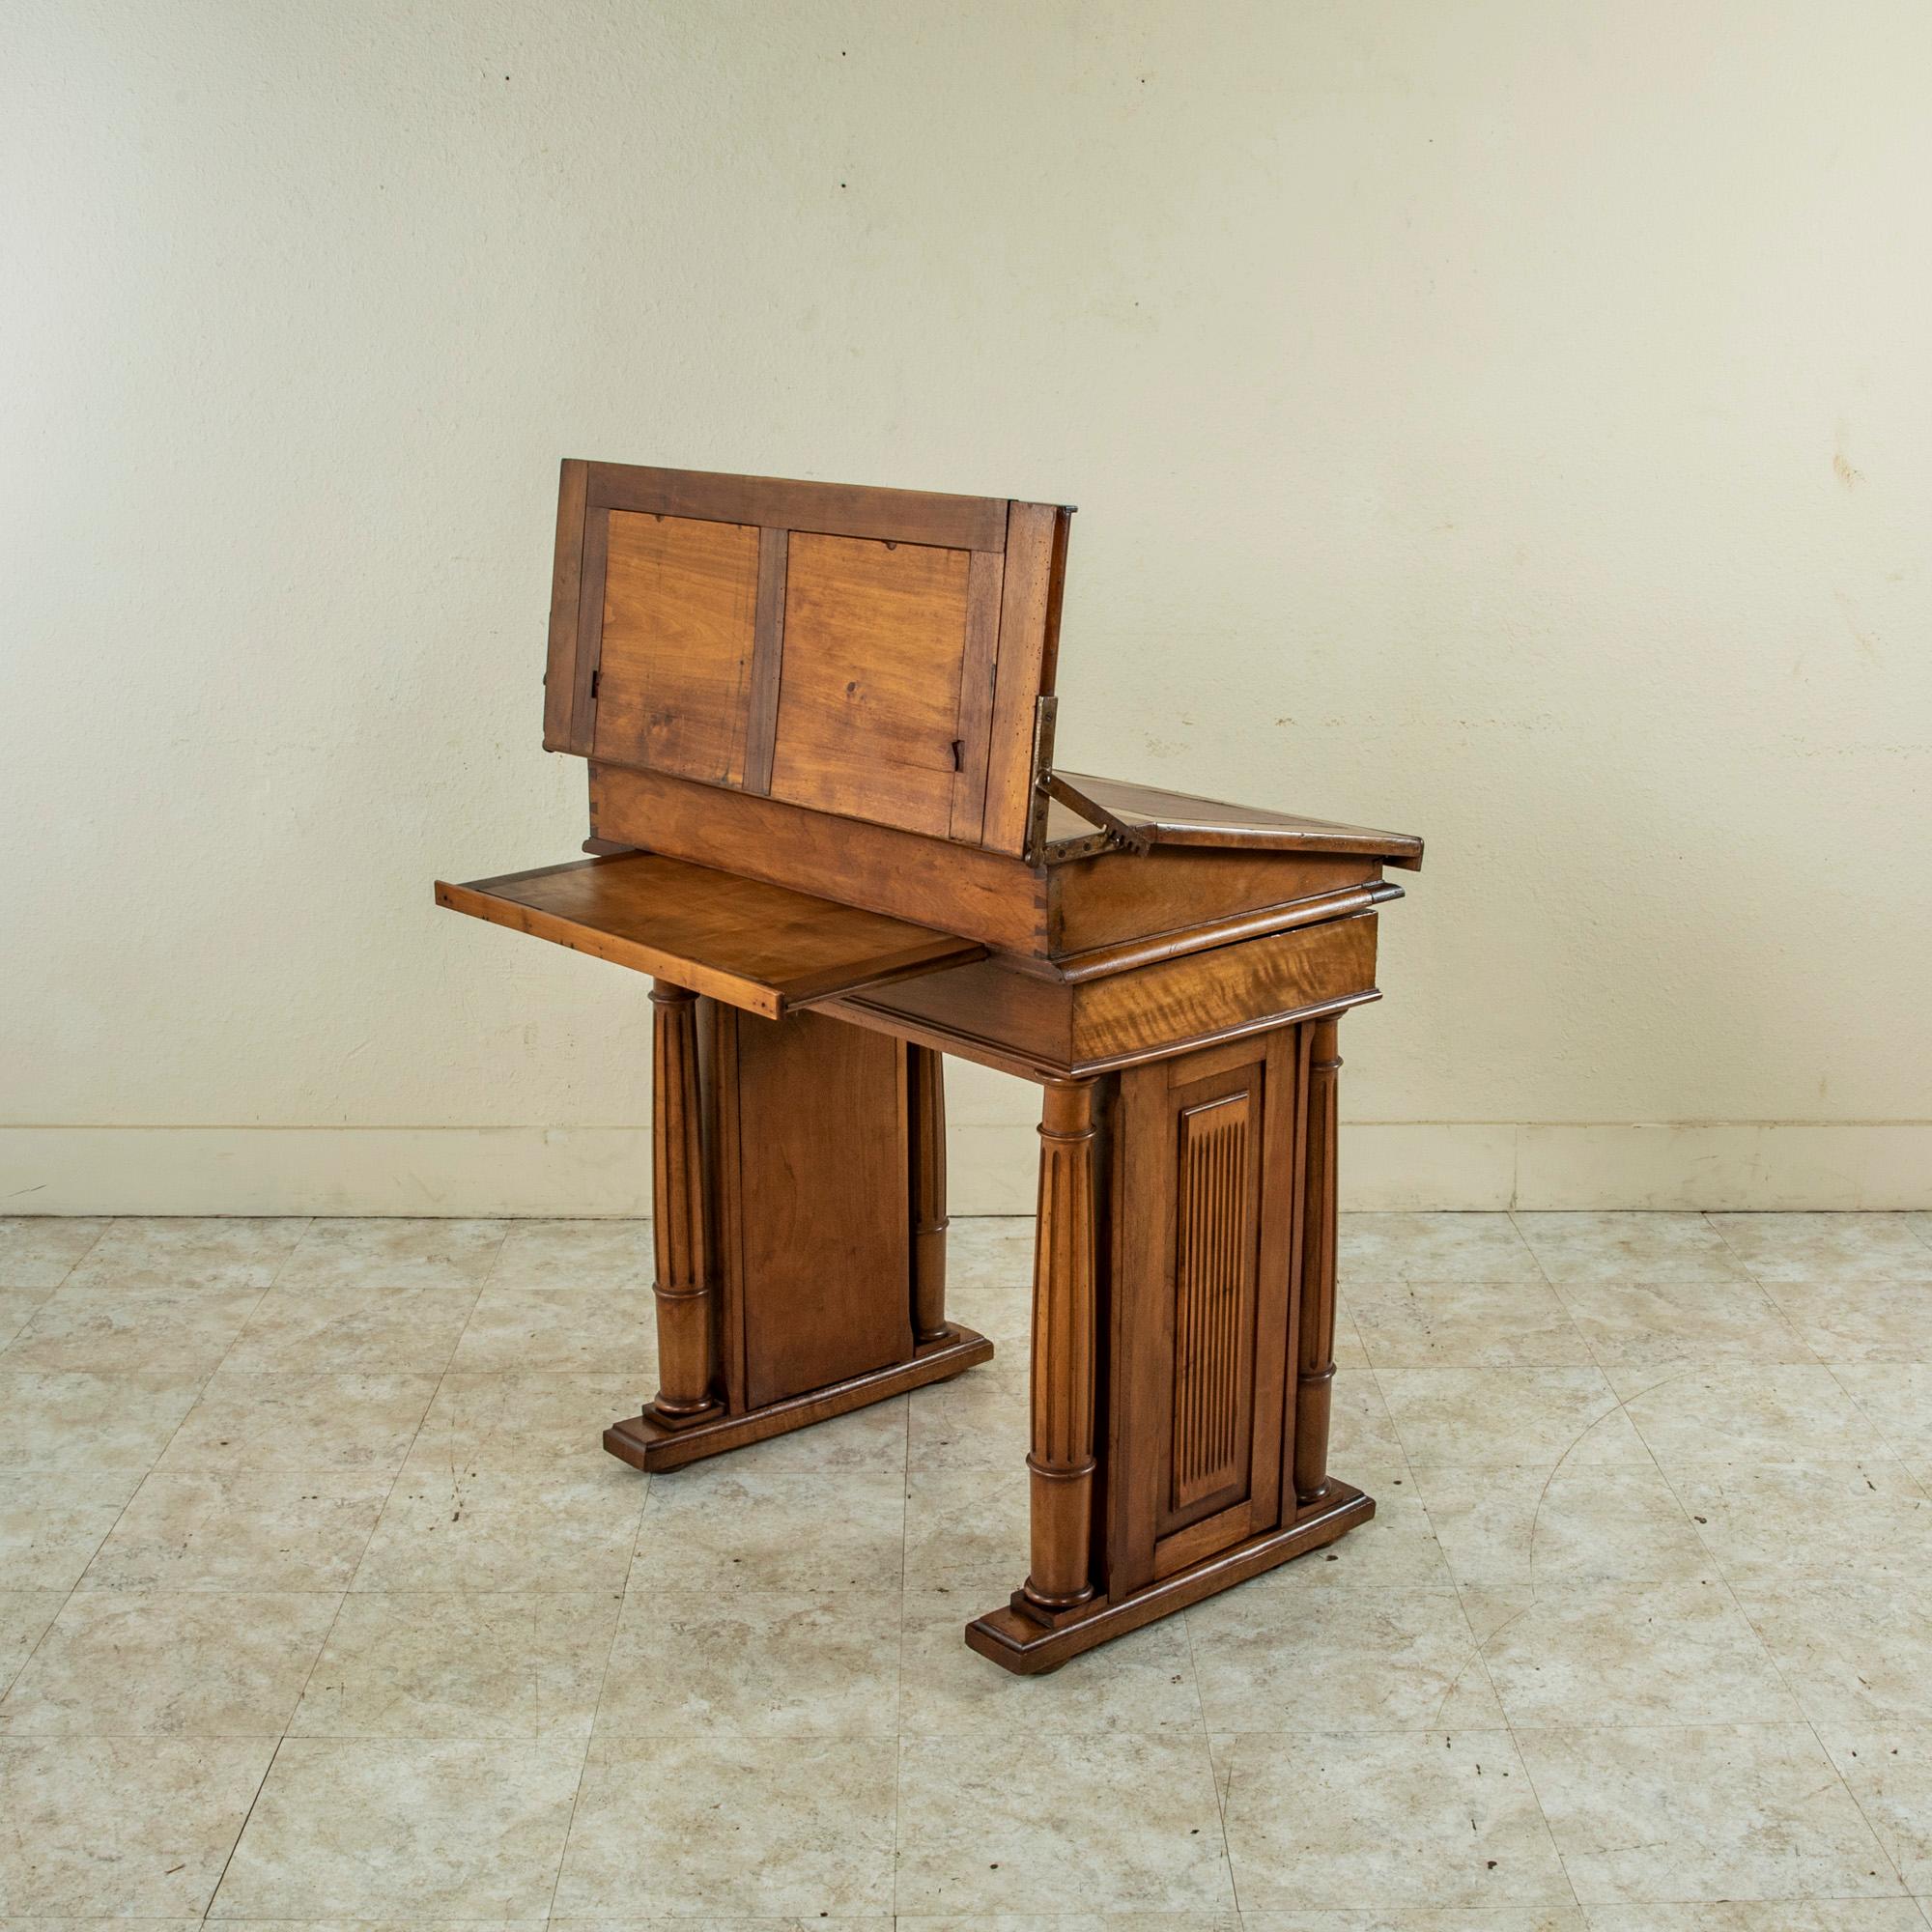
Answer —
(827, 821)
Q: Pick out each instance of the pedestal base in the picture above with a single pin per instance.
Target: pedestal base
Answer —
(647, 1443)
(1018, 1642)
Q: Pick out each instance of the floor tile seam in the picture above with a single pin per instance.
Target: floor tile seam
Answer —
(1797, 1703)
(1550, 1477)
(107, 1221)
(1529, 1776)
(234, 1845)
(1898, 1456)
(1518, 1728)
(597, 1704)
(1207, 1754)
(1516, 1227)
(376, 1523)
(1683, 1509)
(207, 1375)
(1497, 1727)
(1877, 1277)
(342, 1599)
(201, 1389)
(898, 1799)
(1478, 1648)
(1857, 1803)
(476, 1302)
(899, 1679)
(308, 1228)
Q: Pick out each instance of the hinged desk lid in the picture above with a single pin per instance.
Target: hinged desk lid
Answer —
(1089, 812)
(877, 654)
(759, 947)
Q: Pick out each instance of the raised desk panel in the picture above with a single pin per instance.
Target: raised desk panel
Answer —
(680, 599)
(872, 717)
(876, 654)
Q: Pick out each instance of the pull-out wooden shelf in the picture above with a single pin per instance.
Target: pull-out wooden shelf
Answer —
(761, 948)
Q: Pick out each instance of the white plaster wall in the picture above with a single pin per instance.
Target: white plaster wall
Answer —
(1505, 421)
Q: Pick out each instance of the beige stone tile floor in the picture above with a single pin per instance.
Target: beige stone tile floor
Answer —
(322, 1607)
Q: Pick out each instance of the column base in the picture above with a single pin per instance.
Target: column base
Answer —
(646, 1442)
(1018, 1641)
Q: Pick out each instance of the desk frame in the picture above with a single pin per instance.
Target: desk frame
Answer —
(819, 721)
(1183, 1303)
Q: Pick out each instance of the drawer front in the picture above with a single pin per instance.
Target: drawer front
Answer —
(1203, 994)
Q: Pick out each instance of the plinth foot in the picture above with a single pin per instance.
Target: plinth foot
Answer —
(1021, 1642)
(647, 1443)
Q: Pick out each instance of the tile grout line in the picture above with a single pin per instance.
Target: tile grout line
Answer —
(597, 1706)
(349, 1582)
(1208, 1746)
(1482, 1643)
(1871, 1422)
(1719, 1571)
(200, 1392)
(1730, 1588)
(899, 1681)
(1810, 1723)
(235, 1843)
(67, 1596)
(1478, 1645)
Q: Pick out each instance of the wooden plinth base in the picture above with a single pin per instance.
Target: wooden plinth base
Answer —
(647, 1443)
(1017, 1642)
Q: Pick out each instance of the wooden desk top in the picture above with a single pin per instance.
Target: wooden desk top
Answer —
(755, 945)
(819, 725)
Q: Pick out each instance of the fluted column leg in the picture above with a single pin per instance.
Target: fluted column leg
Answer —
(1064, 1292)
(1316, 1364)
(687, 1366)
(925, 1083)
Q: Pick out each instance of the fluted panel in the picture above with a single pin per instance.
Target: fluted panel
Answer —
(1213, 1310)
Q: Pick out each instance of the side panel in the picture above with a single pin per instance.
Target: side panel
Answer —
(823, 1248)
(1202, 1335)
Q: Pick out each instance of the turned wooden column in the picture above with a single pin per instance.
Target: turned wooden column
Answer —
(687, 1364)
(1064, 1292)
(1316, 1380)
(925, 1109)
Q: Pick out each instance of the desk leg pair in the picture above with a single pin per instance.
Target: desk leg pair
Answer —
(800, 1188)
(1183, 1298)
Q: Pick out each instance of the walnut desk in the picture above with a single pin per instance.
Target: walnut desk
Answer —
(826, 820)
